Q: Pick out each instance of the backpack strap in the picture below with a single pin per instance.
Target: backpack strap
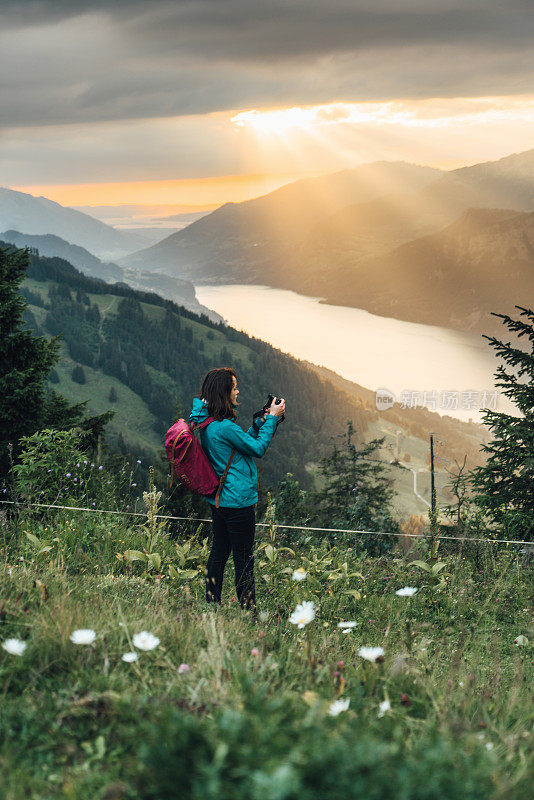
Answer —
(223, 478)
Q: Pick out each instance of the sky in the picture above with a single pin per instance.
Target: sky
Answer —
(192, 103)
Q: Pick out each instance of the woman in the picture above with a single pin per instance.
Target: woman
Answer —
(234, 521)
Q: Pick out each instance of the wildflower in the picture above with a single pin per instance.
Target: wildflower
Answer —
(100, 468)
(384, 706)
(261, 634)
(408, 591)
(264, 616)
(405, 700)
(254, 651)
(145, 640)
(83, 636)
(134, 484)
(299, 574)
(130, 657)
(138, 461)
(14, 647)
(68, 474)
(338, 706)
(347, 625)
(520, 640)
(375, 654)
(303, 614)
(183, 668)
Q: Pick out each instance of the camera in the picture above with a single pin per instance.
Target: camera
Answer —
(257, 416)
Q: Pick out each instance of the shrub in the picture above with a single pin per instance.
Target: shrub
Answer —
(268, 751)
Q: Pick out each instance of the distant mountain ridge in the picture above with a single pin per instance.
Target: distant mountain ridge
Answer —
(482, 262)
(250, 242)
(180, 291)
(39, 215)
(308, 237)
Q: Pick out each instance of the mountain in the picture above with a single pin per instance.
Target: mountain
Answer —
(39, 215)
(251, 242)
(323, 237)
(506, 183)
(483, 262)
(182, 292)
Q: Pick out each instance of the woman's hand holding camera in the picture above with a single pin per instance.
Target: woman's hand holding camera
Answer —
(279, 408)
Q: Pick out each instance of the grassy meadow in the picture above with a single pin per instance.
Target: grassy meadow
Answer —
(227, 704)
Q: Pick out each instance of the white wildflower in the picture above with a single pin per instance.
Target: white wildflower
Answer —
(303, 614)
(145, 640)
(299, 574)
(520, 640)
(384, 706)
(14, 647)
(408, 591)
(371, 653)
(338, 706)
(347, 625)
(130, 657)
(83, 636)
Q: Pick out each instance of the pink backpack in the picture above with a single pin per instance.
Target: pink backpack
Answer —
(189, 461)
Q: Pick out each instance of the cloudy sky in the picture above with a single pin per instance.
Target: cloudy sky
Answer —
(192, 103)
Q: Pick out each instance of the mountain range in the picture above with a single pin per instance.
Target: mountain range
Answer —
(413, 242)
(388, 237)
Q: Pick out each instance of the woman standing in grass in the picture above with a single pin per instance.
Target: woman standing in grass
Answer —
(234, 521)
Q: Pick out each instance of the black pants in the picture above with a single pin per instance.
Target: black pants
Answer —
(233, 531)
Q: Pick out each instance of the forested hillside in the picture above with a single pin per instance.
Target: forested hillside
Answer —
(144, 357)
(148, 348)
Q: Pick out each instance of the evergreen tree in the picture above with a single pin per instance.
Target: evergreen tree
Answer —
(25, 359)
(356, 493)
(504, 486)
(25, 363)
(78, 374)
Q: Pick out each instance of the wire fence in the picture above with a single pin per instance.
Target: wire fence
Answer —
(468, 539)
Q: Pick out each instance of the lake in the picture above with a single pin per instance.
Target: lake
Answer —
(420, 364)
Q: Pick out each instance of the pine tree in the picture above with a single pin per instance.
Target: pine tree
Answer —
(25, 362)
(356, 494)
(504, 486)
(78, 374)
(25, 359)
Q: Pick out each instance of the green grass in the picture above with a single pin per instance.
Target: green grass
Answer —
(132, 417)
(78, 722)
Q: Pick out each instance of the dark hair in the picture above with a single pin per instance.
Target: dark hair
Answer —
(216, 389)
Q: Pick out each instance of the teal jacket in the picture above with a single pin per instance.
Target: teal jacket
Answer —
(218, 439)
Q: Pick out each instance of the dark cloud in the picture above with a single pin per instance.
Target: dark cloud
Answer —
(94, 61)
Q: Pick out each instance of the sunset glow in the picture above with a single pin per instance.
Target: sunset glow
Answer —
(430, 113)
(198, 194)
